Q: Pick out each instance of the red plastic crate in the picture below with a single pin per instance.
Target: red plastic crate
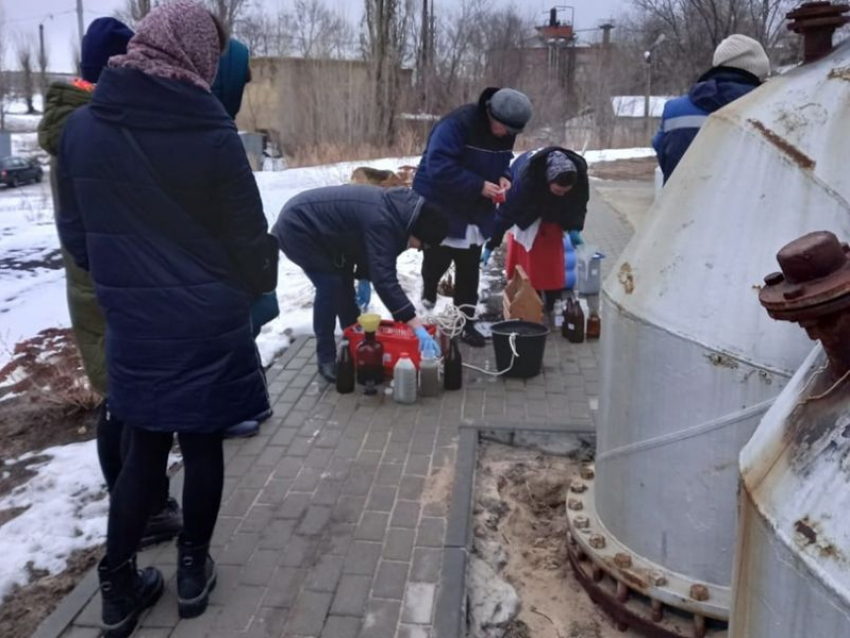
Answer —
(397, 338)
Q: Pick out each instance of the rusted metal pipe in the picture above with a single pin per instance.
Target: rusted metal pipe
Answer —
(813, 290)
(816, 22)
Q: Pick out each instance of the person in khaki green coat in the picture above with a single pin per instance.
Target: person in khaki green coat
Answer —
(104, 38)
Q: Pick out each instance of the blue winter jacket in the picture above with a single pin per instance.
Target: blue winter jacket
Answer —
(530, 199)
(684, 116)
(176, 242)
(338, 229)
(461, 154)
(232, 76)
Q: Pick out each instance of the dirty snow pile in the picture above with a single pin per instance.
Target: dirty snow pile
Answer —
(66, 511)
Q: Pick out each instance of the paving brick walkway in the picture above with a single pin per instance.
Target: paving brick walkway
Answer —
(334, 517)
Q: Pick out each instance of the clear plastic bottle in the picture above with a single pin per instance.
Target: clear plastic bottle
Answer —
(404, 380)
(558, 314)
(429, 376)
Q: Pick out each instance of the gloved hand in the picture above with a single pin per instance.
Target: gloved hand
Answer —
(575, 238)
(427, 344)
(364, 293)
(485, 255)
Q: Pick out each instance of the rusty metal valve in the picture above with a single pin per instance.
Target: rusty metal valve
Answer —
(813, 290)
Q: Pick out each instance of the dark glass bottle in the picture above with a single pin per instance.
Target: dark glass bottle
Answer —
(573, 321)
(594, 326)
(370, 363)
(345, 369)
(453, 367)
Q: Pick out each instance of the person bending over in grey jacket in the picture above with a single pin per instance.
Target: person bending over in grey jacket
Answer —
(329, 232)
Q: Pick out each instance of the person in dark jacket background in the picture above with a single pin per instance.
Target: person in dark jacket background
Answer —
(104, 38)
(234, 72)
(329, 232)
(465, 171)
(740, 65)
(167, 218)
(549, 197)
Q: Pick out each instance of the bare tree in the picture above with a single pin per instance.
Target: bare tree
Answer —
(318, 32)
(24, 52)
(694, 28)
(384, 45)
(228, 11)
(264, 34)
(4, 88)
(43, 63)
(134, 11)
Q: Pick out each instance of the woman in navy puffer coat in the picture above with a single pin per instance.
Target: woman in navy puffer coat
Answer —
(158, 203)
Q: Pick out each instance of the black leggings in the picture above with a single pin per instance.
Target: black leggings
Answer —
(435, 263)
(112, 446)
(137, 487)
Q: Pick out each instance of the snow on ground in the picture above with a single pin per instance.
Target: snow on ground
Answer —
(67, 508)
(66, 511)
(66, 501)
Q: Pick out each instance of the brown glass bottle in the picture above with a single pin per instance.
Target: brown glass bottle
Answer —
(573, 328)
(594, 326)
(453, 367)
(370, 363)
(345, 369)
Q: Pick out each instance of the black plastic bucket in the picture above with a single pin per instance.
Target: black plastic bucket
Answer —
(530, 345)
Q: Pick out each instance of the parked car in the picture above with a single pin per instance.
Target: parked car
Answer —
(17, 170)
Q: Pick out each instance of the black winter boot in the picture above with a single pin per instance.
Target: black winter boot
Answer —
(163, 525)
(126, 593)
(195, 578)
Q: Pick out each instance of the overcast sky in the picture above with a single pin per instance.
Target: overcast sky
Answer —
(22, 17)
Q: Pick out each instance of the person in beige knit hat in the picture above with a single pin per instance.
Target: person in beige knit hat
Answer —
(740, 64)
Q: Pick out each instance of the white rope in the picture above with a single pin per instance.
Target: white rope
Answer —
(451, 323)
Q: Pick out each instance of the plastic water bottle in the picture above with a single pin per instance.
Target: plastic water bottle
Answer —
(558, 314)
(404, 383)
(429, 377)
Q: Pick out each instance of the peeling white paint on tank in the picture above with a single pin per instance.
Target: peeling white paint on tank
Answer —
(792, 575)
(691, 362)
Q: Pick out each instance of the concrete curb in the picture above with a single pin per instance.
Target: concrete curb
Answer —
(450, 610)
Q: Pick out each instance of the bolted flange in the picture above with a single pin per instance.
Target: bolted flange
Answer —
(813, 290)
(816, 22)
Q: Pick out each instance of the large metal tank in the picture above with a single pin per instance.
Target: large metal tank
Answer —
(792, 575)
(690, 361)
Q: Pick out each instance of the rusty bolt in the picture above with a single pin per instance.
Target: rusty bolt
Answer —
(575, 504)
(795, 292)
(588, 473)
(699, 592)
(581, 522)
(657, 578)
(597, 541)
(774, 279)
(623, 560)
(577, 487)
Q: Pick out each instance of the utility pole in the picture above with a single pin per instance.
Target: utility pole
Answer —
(41, 41)
(80, 21)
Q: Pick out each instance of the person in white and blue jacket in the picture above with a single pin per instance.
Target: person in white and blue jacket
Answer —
(465, 170)
(740, 65)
